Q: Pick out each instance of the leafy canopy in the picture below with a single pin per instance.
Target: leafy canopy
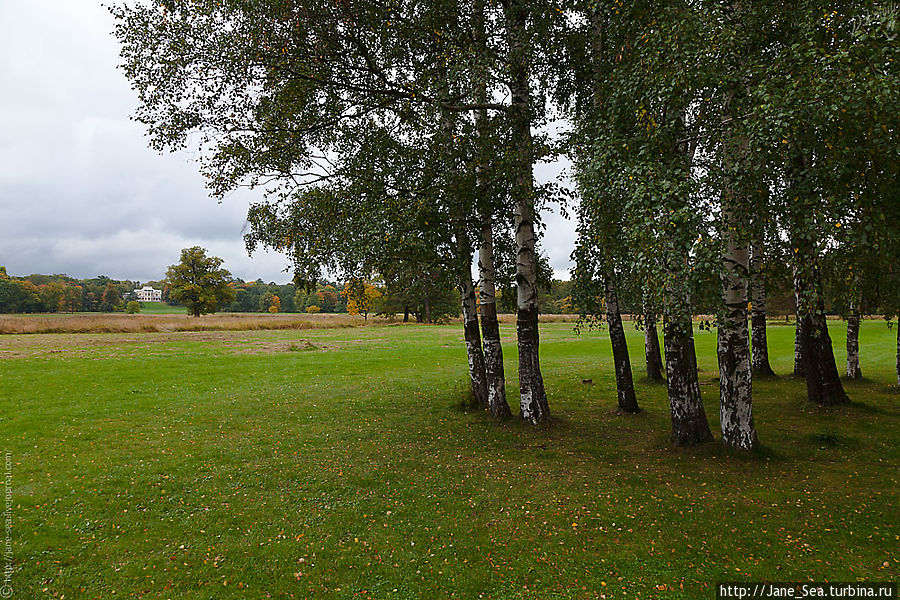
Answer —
(199, 283)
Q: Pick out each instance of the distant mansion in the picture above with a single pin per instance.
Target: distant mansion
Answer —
(148, 294)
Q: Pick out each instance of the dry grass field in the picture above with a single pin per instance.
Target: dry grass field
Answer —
(167, 323)
(125, 323)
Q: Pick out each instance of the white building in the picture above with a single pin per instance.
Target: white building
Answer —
(148, 294)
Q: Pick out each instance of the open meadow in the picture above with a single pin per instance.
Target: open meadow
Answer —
(336, 461)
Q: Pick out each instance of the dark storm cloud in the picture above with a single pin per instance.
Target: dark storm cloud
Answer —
(80, 192)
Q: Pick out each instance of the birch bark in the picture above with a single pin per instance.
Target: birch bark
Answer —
(853, 370)
(735, 383)
(759, 342)
(493, 349)
(534, 407)
(622, 363)
(823, 384)
(689, 423)
(472, 334)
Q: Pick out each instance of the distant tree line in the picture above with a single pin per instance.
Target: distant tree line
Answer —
(61, 293)
(423, 302)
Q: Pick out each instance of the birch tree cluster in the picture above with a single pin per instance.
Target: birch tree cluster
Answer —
(709, 140)
(722, 138)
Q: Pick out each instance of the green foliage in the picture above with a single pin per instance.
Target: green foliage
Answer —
(376, 149)
(111, 298)
(199, 283)
(18, 296)
(61, 293)
(413, 289)
(133, 307)
(788, 109)
(270, 303)
(325, 297)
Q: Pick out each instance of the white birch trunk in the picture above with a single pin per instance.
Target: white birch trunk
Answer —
(490, 326)
(689, 423)
(799, 362)
(477, 377)
(735, 383)
(823, 384)
(533, 399)
(493, 349)
(853, 370)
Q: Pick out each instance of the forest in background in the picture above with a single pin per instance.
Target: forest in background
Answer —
(60, 293)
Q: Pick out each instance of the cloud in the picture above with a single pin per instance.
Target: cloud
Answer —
(558, 237)
(80, 191)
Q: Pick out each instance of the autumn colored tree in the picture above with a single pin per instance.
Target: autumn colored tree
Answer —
(53, 296)
(199, 282)
(111, 299)
(270, 303)
(361, 297)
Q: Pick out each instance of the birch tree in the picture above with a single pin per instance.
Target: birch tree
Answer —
(283, 93)
(640, 147)
(759, 343)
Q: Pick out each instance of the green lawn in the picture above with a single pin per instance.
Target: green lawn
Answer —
(338, 464)
(161, 308)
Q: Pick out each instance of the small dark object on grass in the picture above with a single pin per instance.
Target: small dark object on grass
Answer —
(828, 439)
(304, 345)
(588, 381)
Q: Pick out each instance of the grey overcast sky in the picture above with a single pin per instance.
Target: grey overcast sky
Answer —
(80, 191)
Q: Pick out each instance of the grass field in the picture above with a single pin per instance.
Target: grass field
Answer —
(88, 322)
(161, 308)
(173, 318)
(337, 463)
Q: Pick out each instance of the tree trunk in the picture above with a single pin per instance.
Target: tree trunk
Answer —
(652, 356)
(533, 399)
(493, 350)
(477, 377)
(760, 365)
(406, 314)
(624, 382)
(427, 309)
(735, 381)
(490, 326)
(799, 359)
(853, 370)
(735, 384)
(689, 424)
(823, 384)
